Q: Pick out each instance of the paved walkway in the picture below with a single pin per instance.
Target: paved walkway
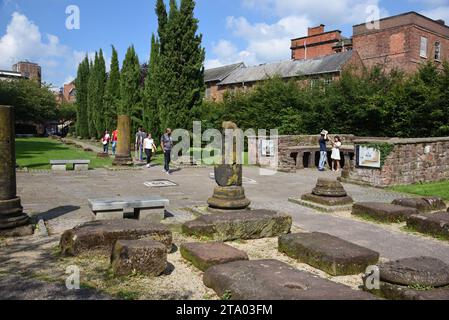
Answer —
(61, 200)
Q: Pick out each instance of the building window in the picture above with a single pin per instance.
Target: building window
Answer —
(438, 51)
(208, 93)
(423, 48)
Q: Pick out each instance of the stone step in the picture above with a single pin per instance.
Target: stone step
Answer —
(328, 253)
(383, 212)
(436, 224)
(423, 205)
(147, 257)
(274, 280)
(102, 235)
(205, 255)
(240, 224)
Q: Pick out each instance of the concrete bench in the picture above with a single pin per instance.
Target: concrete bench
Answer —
(61, 165)
(143, 208)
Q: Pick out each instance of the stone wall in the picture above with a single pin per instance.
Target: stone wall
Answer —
(410, 161)
(290, 148)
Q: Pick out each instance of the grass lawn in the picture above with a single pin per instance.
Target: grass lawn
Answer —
(36, 153)
(436, 189)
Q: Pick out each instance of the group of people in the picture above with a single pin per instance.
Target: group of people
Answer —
(336, 153)
(145, 144)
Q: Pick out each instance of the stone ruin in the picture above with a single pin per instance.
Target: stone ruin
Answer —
(328, 196)
(13, 221)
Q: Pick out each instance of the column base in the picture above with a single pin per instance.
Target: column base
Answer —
(121, 160)
(13, 222)
(229, 198)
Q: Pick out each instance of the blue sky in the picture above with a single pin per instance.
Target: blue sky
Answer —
(253, 31)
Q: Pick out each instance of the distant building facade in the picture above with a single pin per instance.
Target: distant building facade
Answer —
(213, 77)
(319, 43)
(29, 70)
(404, 42)
(6, 75)
(69, 92)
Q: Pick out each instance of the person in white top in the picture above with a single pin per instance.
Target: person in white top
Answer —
(105, 141)
(336, 154)
(150, 148)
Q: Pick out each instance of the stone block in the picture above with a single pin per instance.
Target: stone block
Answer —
(205, 255)
(423, 205)
(152, 214)
(244, 224)
(274, 280)
(58, 167)
(328, 253)
(109, 215)
(383, 212)
(102, 235)
(147, 257)
(436, 224)
(328, 201)
(81, 167)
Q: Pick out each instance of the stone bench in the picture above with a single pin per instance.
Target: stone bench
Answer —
(150, 208)
(383, 212)
(61, 165)
(308, 155)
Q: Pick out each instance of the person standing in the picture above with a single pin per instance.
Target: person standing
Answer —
(336, 155)
(114, 140)
(105, 141)
(167, 145)
(140, 136)
(150, 148)
(323, 149)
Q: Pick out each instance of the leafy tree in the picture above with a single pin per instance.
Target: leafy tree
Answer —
(151, 92)
(112, 93)
(33, 103)
(81, 83)
(91, 97)
(130, 93)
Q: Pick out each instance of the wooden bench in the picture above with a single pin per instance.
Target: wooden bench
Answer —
(143, 208)
(61, 165)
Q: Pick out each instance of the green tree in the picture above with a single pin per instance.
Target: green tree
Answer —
(151, 92)
(81, 83)
(112, 93)
(91, 97)
(180, 69)
(130, 93)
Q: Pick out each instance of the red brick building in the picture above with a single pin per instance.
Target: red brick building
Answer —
(319, 43)
(403, 41)
(29, 70)
(69, 92)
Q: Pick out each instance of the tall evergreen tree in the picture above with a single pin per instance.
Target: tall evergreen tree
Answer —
(100, 116)
(150, 94)
(161, 13)
(130, 92)
(91, 92)
(112, 93)
(180, 69)
(81, 83)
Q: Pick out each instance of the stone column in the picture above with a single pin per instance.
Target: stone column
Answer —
(13, 222)
(123, 156)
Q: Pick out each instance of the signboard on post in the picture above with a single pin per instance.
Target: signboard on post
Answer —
(267, 148)
(368, 157)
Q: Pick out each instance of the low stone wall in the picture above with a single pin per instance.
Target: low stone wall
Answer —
(409, 161)
(292, 150)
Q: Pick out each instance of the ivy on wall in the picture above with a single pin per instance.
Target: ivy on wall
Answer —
(385, 150)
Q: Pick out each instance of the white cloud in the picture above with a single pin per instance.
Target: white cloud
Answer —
(24, 41)
(438, 13)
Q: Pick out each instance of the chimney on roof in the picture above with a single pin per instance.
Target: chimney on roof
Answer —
(441, 21)
(316, 30)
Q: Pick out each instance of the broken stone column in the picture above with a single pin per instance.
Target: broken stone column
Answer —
(123, 156)
(229, 194)
(13, 222)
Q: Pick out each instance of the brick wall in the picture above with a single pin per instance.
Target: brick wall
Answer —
(397, 43)
(315, 44)
(411, 161)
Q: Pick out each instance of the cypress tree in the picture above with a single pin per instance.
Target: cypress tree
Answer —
(161, 13)
(130, 103)
(150, 94)
(81, 83)
(99, 111)
(112, 93)
(91, 92)
(180, 71)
